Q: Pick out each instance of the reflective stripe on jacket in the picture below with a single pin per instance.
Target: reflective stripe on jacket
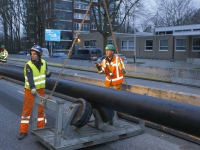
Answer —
(113, 70)
(39, 77)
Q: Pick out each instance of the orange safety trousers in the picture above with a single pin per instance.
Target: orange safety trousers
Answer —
(110, 85)
(27, 110)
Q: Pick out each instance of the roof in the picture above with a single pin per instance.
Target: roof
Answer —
(179, 28)
(186, 33)
(123, 34)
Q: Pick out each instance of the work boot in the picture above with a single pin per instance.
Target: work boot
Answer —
(22, 136)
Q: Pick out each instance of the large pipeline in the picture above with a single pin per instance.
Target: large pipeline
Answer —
(179, 116)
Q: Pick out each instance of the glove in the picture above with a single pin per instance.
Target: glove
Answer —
(33, 91)
(124, 71)
(110, 74)
(5, 56)
(98, 66)
(47, 72)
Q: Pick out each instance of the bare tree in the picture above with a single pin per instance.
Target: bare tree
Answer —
(27, 13)
(4, 15)
(33, 20)
(32, 17)
(136, 13)
(11, 24)
(101, 20)
(172, 12)
(192, 18)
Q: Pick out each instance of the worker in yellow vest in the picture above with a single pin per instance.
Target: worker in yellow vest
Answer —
(113, 67)
(35, 73)
(3, 54)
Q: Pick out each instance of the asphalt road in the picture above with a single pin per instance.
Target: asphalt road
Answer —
(11, 102)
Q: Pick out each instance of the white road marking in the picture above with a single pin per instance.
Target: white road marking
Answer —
(21, 92)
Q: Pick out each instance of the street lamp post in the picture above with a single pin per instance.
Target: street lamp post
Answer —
(134, 57)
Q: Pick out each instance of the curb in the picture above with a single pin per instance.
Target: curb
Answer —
(143, 90)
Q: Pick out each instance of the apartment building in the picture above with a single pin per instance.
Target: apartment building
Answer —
(63, 15)
(66, 16)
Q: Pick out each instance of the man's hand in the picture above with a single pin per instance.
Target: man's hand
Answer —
(98, 66)
(47, 72)
(33, 91)
(124, 71)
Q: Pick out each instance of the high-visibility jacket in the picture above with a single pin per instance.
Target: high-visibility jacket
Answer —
(113, 70)
(3, 54)
(39, 77)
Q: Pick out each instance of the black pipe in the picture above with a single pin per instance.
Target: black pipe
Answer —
(12, 72)
(179, 116)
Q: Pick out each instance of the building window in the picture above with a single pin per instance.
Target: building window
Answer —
(127, 45)
(161, 33)
(63, 25)
(63, 5)
(110, 41)
(81, 16)
(85, 26)
(66, 35)
(63, 15)
(80, 6)
(149, 45)
(48, 26)
(94, 27)
(196, 44)
(180, 44)
(163, 45)
(90, 43)
(169, 32)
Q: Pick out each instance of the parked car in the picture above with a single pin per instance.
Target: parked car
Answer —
(59, 55)
(23, 53)
(120, 55)
(87, 54)
(45, 52)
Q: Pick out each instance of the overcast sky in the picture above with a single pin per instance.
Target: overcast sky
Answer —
(151, 6)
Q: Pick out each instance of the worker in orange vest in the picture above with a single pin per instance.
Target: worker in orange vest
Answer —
(113, 67)
(35, 73)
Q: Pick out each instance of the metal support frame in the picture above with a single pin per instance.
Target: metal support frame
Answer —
(58, 107)
(65, 136)
(68, 118)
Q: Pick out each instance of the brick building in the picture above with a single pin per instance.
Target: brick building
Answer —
(176, 42)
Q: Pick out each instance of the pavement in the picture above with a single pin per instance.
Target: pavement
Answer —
(181, 64)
